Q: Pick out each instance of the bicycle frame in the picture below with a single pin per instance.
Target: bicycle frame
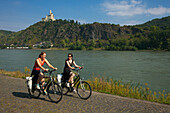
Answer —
(52, 88)
(81, 86)
(77, 79)
(51, 79)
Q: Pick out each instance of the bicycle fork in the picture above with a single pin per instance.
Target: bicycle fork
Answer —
(53, 88)
(82, 85)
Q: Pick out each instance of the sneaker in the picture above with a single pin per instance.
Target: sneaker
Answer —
(37, 86)
(74, 91)
(68, 84)
(45, 92)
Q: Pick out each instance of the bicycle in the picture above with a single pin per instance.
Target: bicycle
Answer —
(83, 88)
(54, 90)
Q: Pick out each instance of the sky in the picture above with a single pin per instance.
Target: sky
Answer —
(16, 15)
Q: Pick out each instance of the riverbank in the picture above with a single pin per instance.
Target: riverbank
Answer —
(114, 87)
(95, 49)
(98, 49)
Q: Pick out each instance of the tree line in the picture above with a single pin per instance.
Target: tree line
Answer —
(75, 36)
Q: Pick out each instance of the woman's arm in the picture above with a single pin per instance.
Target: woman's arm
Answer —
(69, 65)
(76, 64)
(46, 61)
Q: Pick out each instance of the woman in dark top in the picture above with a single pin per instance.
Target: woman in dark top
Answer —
(68, 67)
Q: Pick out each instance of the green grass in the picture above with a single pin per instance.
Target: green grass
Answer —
(117, 87)
(114, 87)
(17, 74)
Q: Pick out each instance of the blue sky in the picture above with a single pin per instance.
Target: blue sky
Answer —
(16, 15)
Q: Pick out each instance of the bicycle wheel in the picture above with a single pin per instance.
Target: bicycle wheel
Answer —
(65, 90)
(54, 92)
(84, 90)
(34, 93)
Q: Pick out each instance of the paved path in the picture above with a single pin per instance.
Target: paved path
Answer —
(14, 98)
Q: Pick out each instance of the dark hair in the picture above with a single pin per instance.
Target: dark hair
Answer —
(41, 54)
(70, 54)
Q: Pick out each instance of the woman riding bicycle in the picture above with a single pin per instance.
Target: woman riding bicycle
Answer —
(67, 69)
(38, 76)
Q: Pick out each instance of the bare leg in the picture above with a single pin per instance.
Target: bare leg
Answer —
(71, 78)
(40, 78)
(43, 82)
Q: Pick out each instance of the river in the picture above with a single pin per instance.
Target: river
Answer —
(136, 66)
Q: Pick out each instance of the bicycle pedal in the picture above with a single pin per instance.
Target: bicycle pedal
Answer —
(44, 93)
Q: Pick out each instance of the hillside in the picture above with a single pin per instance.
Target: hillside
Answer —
(4, 33)
(70, 34)
(163, 23)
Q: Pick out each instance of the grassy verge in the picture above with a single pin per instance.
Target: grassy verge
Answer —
(17, 74)
(115, 87)
(110, 86)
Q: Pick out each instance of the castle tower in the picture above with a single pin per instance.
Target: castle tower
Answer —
(51, 12)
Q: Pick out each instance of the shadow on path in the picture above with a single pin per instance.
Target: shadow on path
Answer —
(26, 95)
(71, 95)
(21, 94)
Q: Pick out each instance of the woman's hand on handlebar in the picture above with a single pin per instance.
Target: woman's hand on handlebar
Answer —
(46, 70)
(81, 67)
(55, 68)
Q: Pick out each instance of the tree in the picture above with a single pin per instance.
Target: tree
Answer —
(63, 43)
(30, 47)
(47, 44)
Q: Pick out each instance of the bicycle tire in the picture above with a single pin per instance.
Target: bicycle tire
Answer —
(34, 93)
(65, 90)
(84, 90)
(55, 93)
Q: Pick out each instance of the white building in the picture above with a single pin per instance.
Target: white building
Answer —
(49, 17)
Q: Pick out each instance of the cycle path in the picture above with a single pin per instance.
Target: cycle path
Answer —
(14, 98)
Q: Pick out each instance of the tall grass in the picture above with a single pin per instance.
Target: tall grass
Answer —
(137, 91)
(17, 74)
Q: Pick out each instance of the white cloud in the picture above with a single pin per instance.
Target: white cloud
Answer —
(124, 8)
(135, 2)
(158, 11)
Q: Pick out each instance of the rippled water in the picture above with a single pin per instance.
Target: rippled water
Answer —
(138, 67)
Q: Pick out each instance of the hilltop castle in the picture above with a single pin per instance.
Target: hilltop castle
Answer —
(49, 17)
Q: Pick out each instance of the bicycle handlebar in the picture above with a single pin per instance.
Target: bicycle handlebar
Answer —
(49, 71)
(77, 69)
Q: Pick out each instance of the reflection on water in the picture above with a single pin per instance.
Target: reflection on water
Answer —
(139, 67)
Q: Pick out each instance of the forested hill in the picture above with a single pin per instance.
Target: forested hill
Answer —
(4, 33)
(163, 23)
(73, 35)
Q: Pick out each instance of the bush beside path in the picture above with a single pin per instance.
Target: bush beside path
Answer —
(14, 98)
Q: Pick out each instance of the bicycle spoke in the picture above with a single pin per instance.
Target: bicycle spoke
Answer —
(55, 93)
(84, 90)
(34, 93)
